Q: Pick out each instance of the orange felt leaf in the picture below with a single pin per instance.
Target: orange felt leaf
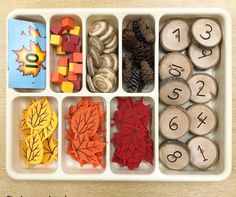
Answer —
(83, 103)
(85, 121)
(85, 150)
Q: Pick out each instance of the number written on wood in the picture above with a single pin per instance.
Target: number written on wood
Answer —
(202, 84)
(177, 34)
(207, 32)
(175, 70)
(175, 94)
(202, 120)
(174, 156)
(173, 125)
(202, 153)
(205, 53)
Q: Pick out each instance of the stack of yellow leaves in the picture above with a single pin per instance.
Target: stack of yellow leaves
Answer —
(38, 124)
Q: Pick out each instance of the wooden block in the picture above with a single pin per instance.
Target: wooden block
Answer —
(71, 67)
(74, 39)
(67, 87)
(75, 30)
(77, 84)
(62, 70)
(78, 48)
(68, 23)
(72, 76)
(68, 47)
(56, 78)
(63, 61)
(65, 38)
(60, 51)
(78, 68)
(56, 28)
(78, 57)
(55, 40)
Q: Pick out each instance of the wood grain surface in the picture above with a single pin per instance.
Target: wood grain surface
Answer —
(13, 188)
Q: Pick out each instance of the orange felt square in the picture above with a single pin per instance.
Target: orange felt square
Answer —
(78, 68)
(68, 23)
(72, 76)
(78, 57)
(56, 77)
(63, 61)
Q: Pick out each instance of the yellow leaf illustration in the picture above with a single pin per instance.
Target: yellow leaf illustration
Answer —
(32, 149)
(38, 115)
(26, 132)
(50, 146)
(46, 132)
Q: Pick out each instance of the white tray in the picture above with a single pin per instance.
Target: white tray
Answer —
(65, 168)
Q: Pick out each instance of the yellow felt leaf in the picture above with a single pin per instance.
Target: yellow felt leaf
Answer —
(50, 147)
(32, 149)
(26, 132)
(23, 124)
(46, 132)
(38, 115)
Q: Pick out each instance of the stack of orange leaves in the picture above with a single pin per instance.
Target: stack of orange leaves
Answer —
(86, 132)
(38, 124)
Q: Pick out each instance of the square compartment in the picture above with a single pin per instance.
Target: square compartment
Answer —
(54, 56)
(69, 165)
(144, 167)
(151, 22)
(111, 19)
(16, 160)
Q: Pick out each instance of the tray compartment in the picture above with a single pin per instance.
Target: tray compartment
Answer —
(69, 165)
(17, 162)
(144, 167)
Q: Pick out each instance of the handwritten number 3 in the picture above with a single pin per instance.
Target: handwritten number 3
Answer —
(208, 32)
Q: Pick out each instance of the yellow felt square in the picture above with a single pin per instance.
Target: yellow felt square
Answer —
(75, 31)
(59, 51)
(55, 40)
(71, 67)
(67, 87)
(62, 70)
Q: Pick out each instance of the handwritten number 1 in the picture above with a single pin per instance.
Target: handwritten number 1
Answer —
(177, 35)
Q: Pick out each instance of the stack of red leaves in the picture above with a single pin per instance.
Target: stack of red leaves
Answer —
(132, 140)
(86, 139)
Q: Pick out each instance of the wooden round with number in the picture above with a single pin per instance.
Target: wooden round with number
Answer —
(206, 32)
(174, 155)
(203, 58)
(174, 122)
(203, 152)
(174, 91)
(175, 35)
(203, 88)
(202, 119)
(175, 64)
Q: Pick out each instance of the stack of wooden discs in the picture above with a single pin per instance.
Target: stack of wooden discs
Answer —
(102, 60)
(186, 89)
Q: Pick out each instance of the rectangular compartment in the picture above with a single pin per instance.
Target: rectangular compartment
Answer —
(65, 168)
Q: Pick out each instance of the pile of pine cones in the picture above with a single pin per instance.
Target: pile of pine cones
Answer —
(138, 62)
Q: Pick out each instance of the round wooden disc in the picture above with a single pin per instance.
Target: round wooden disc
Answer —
(203, 152)
(174, 91)
(202, 119)
(175, 36)
(174, 122)
(175, 64)
(174, 155)
(204, 58)
(203, 88)
(206, 32)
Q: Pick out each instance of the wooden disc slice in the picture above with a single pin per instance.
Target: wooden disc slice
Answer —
(203, 87)
(203, 152)
(202, 119)
(174, 91)
(175, 35)
(174, 122)
(203, 58)
(174, 155)
(175, 64)
(206, 32)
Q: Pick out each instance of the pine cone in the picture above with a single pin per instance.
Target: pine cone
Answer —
(147, 73)
(129, 39)
(127, 67)
(134, 82)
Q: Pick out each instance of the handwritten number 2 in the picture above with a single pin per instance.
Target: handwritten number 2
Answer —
(202, 84)
(208, 32)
